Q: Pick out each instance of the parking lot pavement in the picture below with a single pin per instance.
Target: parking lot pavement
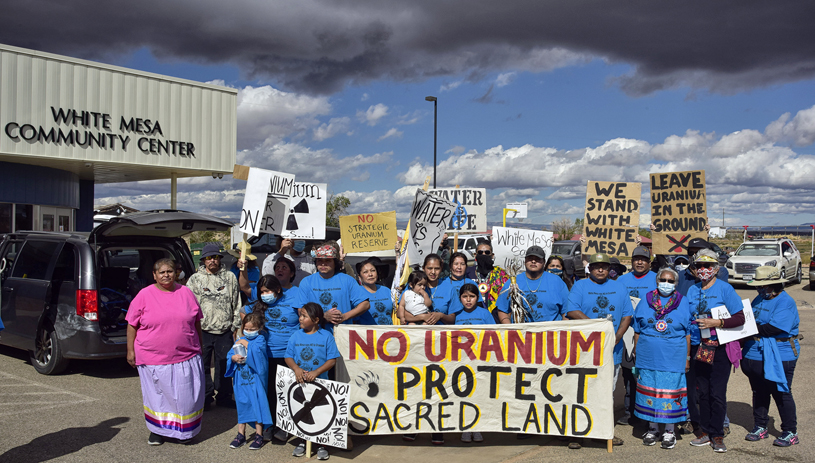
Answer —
(92, 414)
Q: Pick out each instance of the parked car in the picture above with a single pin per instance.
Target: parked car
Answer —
(780, 253)
(812, 275)
(65, 295)
(571, 253)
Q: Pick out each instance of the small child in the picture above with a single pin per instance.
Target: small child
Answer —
(473, 314)
(250, 381)
(415, 300)
(311, 353)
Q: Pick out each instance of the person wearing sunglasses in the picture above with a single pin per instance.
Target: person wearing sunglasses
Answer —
(662, 344)
(218, 294)
(489, 278)
(710, 360)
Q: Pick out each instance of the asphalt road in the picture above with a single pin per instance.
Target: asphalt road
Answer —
(92, 414)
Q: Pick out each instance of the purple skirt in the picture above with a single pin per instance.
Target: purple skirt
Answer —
(173, 397)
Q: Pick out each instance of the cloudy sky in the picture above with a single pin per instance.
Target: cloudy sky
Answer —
(534, 97)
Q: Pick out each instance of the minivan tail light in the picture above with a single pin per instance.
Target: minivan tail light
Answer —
(87, 305)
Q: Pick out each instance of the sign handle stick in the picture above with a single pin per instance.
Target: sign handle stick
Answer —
(608, 444)
(507, 211)
(243, 247)
(308, 448)
(455, 238)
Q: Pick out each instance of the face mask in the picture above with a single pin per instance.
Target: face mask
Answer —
(765, 292)
(313, 254)
(597, 280)
(612, 274)
(268, 298)
(555, 271)
(680, 267)
(666, 288)
(706, 274)
(299, 245)
(484, 262)
(251, 334)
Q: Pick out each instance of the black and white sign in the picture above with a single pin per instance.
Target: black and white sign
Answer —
(307, 206)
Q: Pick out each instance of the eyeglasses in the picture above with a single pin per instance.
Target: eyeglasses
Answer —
(704, 265)
(666, 280)
(483, 253)
(212, 257)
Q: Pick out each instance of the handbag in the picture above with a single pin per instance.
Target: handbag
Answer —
(706, 351)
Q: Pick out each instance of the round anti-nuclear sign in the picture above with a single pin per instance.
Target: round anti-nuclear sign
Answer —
(311, 407)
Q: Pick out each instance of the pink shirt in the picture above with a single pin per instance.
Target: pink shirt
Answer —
(165, 325)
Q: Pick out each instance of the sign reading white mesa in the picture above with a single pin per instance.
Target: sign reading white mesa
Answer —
(80, 112)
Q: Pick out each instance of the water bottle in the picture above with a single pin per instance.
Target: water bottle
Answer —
(240, 349)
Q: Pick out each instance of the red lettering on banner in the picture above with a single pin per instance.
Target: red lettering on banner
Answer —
(456, 345)
(517, 345)
(585, 345)
(563, 351)
(430, 341)
(491, 343)
(380, 346)
(355, 342)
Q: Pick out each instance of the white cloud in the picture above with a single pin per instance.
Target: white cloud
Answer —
(800, 130)
(392, 133)
(458, 149)
(737, 143)
(335, 126)
(364, 97)
(505, 79)
(373, 115)
(410, 118)
(450, 86)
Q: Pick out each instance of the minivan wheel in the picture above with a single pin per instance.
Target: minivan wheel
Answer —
(47, 357)
(799, 275)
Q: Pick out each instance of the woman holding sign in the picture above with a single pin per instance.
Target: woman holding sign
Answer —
(775, 350)
(710, 359)
(662, 343)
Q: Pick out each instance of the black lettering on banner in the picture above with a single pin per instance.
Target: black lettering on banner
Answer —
(357, 416)
(545, 385)
(582, 375)
(382, 414)
(461, 415)
(560, 424)
(402, 383)
(494, 378)
(434, 379)
(443, 416)
(586, 413)
(505, 418)
(396, 421)
(424, 415)
(532, 417)
(469, 381)
(521, 383)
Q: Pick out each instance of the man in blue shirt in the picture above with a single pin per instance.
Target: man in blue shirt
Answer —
(545, 294)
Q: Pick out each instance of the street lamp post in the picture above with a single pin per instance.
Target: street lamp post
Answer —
(435, 132)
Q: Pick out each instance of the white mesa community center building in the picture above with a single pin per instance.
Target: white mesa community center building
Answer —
(67, 124)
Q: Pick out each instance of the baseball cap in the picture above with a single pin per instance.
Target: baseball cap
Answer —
(536, 251)
(599, 258)
(641, 251)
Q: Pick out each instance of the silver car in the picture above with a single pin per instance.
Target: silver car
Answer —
(780, 253)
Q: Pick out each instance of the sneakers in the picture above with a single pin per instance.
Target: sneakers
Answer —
(617, 441)
(686, 428)
(624, 419)
(409, 437)
(280, 437)
(467, 437)
(668, 440)
(650, 438)
(300, 450)
(757, 434)
(257, 443)
(322, 453)
(726, 431)
(700, 441)
(787, 438)
(718, 445)
(238, 441)
(477, 437)
(437, 438)
(155, 439)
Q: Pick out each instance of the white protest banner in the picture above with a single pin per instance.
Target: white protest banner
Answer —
(612, 217)
(429, 217)
(316, 411)
(537, 378)
(749, 328)
(279, 189)
(511, 244)
(470, 215)
(307, 206)
(628, 340)
(254, 201)
(678, 210)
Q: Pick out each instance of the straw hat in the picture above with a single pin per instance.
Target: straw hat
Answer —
(237, 251)
(766, 275)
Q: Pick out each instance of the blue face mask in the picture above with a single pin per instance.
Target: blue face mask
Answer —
(313, 254)
(555, 271)
(268, 298)
(299, 245)
(666, 288)
(251, 334)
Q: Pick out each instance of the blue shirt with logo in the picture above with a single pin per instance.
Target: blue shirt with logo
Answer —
(662, 344)
(638, 286)
(601, 300)
(545, 298)
(339, 292)
(478, 316)
(381, 311)
(701, 301)
(782, 313)
(311, 351)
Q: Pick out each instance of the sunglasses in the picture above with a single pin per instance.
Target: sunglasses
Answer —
(704, 265)
(483, 253)
(212, 257)
(666, 280)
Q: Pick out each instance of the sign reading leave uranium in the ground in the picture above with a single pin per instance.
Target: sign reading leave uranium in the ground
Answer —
(471, 209)
(612, 217)
(538, 378)
(368, 232)
(678, 210)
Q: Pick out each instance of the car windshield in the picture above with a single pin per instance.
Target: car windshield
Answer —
(561, 249)
(758, 250)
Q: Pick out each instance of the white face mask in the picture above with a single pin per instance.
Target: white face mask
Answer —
(251, 334)
(666, 288)
(680, 267)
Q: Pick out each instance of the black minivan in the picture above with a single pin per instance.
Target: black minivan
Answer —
(66, 295)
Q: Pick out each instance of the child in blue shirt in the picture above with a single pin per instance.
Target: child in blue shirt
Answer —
(472, 313)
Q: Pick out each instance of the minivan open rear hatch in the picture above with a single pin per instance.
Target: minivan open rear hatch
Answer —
(159, 223)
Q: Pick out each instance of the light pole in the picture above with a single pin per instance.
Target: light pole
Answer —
(435, 132)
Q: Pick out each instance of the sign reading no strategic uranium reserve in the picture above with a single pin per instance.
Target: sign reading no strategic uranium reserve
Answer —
(538, 378)
(470, 215)
(678, 210)
(368, 232)
(612, 217)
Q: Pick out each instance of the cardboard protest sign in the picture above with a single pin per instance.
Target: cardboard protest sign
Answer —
(254, 201)
(368, 232)
(316, 411)
(429, 218)
(537, 378)
(678, 210)
(471, 209)
(749, 328)
(510, 244)
(612, 217)
(307, 204)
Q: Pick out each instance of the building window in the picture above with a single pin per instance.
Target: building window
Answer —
(23, 217)
(5, 217)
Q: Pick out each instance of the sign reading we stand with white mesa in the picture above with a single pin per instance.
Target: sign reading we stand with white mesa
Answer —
(538, 378)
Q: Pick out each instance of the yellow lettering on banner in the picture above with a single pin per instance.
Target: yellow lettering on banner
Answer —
(363, 349)
(584, 387)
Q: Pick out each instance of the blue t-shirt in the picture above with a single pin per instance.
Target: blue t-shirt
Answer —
(381, 311)
(598, 301)
(662, 345)
(439, 296)
(338, 292)
(702, 300)
(253, 273)
(546, 297)
(282, 320)
(638, 286)
(479, 316)
(454, 286)
(782, 313)
(686, 279)
(311, 351)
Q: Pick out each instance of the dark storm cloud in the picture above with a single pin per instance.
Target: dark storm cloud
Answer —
(319, 47)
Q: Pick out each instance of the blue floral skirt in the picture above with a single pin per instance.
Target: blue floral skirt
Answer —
(662, 397)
